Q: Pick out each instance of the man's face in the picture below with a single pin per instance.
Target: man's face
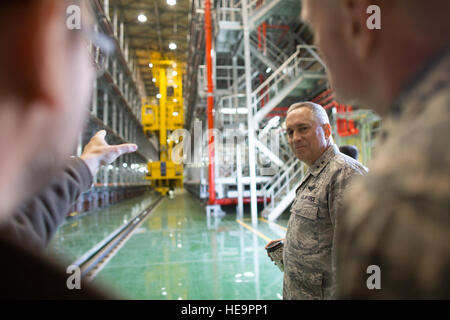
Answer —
(306, 136)
(69, 76)
(77, 77)
(44, 109)
(328, 24)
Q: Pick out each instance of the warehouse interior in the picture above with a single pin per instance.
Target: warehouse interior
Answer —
(202, 87)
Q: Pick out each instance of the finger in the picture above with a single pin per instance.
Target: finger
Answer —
(124, 148)
(99, 137)
(101, 134)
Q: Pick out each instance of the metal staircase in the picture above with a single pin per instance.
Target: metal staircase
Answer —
(302, 66)
(260, 10)
(280, 72)
(299, 68)
(280, 191)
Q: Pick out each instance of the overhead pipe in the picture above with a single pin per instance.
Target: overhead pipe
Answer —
(321, 95)
(265, 37)
(234, 201)
(326, 100)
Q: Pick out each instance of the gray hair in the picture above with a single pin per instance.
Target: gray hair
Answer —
(316, 109)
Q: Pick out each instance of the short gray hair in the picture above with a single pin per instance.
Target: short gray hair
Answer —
(316, 109)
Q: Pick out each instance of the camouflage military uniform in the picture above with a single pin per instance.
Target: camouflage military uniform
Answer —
(309, 238)
(398, 216)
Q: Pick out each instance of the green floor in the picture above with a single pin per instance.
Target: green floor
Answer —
(82, 232)
(178, 254)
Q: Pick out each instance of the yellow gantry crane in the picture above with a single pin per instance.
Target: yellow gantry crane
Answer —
(163, 118)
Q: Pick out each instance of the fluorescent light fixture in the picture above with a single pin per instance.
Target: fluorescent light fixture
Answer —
(150, 65)
(228, 110)
(234, 110)
(158, 96)
(142, 18)
(171, 2)
(172, 46)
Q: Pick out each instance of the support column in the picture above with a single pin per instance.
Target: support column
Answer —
(94, 98)
(251, 137)
(240, 187)
(105, 107)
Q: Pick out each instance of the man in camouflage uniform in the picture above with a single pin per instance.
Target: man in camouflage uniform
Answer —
(309, 242)
(397, 217)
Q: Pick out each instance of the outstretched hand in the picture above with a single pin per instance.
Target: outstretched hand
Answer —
(98, 152)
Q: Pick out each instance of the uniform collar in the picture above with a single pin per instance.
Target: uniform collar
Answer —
(323, 160)
(425, 72)
(410, 102)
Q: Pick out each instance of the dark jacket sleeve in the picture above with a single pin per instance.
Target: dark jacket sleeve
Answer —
(36, 221)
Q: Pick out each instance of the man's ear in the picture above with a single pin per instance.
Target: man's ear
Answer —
(357, 31)
(34, 55)
(327, 130)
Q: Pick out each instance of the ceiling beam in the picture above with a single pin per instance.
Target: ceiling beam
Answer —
(158, 26)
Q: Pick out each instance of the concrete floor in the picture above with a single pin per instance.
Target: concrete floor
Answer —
(177, 253)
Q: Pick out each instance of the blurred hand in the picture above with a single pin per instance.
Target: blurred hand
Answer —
(97, 152)
(269, 244)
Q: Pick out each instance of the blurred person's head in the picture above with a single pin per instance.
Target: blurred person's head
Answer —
(350, 151)
(45, 87)
(308, 131)
(370, 67)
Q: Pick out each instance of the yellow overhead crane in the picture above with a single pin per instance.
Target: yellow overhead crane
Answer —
(163, 118)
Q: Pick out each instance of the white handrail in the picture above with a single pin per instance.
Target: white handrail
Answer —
(288, 70)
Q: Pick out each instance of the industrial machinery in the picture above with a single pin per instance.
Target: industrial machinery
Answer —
(162, 116)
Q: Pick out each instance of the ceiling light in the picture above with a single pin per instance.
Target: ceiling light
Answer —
(268, 70)
(158, 96)
(175, 100)
(174, 73)
(171, 2)
(150, 65)
(175, 114)
(172, 46)
(153, 80)
(142, 18)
